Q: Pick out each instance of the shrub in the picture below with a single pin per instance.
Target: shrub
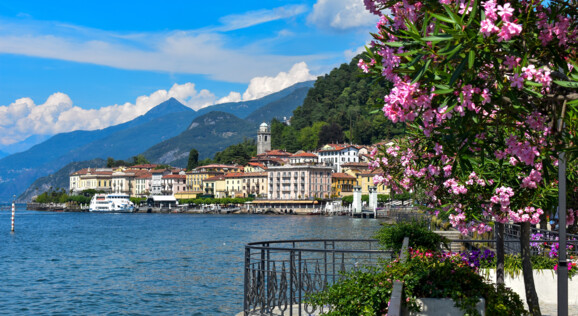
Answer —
(425, 274)
(420, 237)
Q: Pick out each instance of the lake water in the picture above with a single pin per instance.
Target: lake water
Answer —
(141, 264)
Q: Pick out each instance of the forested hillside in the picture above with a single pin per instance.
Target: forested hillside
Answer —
(342, 106)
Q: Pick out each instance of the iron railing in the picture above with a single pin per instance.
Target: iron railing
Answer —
(280, 274)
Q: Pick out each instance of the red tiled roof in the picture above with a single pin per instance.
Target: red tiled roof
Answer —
(340, 175)
(175, 176)
(305, 155)
(144, 166)
(276, 152)
(234, 175)
(215, 178)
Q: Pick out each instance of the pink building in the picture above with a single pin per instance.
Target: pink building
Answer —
(174, 183)
(299, 182)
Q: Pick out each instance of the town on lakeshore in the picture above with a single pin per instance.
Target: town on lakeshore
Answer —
(279, 181)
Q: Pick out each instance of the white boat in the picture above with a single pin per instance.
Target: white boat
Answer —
(111, 203)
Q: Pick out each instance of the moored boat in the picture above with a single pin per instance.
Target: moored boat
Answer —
(111, 203)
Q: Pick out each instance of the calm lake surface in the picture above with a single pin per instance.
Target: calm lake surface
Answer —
(141, 264)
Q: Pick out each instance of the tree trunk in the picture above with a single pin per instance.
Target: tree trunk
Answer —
(531, 295)
(499, 253)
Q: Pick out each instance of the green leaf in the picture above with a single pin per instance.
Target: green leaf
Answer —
(437, 38)
(422, 71)
(471, 59)
(473, 13)
(566, 84)
(532, 92)
(532, 83)
(458, 72)
(409, 53)
(451, 51)
(394, 44)
(443, 18)
(443, 91)
(456, 18)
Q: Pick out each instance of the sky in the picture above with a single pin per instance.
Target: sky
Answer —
(69, 65)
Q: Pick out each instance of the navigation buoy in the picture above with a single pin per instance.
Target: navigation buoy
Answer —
(13, 212)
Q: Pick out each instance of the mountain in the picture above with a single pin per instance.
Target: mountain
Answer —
(59, 179)
(208, 134)
(165, 134)
(279, 109)
(23, 145)
(3, 154)
(121, 141)
(244, 108)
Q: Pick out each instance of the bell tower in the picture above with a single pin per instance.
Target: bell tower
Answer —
(263, 139)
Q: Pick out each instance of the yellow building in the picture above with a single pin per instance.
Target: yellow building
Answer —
(196, 176)
(364, 176)
(365, 180)
(215, 186)
(342, 184)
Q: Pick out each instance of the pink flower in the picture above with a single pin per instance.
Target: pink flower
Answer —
(512, 62)
(490, 10)
(363, 65)
(508, 31)
(488, 27)
(517, 82)
(505, 12)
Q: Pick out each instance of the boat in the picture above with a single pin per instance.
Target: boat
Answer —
(111, 203)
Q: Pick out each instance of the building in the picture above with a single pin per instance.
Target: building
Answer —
(234, 184)
(142, 186)
(334, 155)
(303, 158)
(263, 139)
(365, 180)
(196, 176)
(99, 179)
(215, 186)
(299, 182)
(255, 184)
(342, 184)
(122, 182)
(157, 181)
(174, 183)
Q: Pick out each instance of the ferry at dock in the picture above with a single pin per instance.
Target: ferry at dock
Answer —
(111, 203)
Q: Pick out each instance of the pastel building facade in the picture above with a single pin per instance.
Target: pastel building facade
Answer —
(295, 182)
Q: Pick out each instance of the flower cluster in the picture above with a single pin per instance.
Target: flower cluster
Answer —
(479, 147)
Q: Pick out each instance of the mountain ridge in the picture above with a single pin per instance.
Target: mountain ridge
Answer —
(125, 140)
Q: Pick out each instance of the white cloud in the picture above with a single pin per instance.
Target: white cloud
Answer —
(24, 118)
(206, 51)
(232, 97)
(240, 21)
(341, 15)
(350, 53)
(262, 86)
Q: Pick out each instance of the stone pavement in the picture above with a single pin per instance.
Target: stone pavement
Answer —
(552, 310)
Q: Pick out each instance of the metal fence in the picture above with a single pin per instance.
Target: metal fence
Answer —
(280, 274)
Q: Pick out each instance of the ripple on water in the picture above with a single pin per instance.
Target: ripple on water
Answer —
(119, 264)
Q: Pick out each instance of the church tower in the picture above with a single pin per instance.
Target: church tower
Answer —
(263, 139)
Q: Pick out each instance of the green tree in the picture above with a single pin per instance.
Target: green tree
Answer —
(331, 134)
(193, 159)
(139, 160)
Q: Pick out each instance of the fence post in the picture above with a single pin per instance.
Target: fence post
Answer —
(397, 291)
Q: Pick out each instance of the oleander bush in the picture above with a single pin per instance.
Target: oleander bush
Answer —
(367, 291)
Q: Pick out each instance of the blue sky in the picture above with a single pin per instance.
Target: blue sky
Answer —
(67, 65)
